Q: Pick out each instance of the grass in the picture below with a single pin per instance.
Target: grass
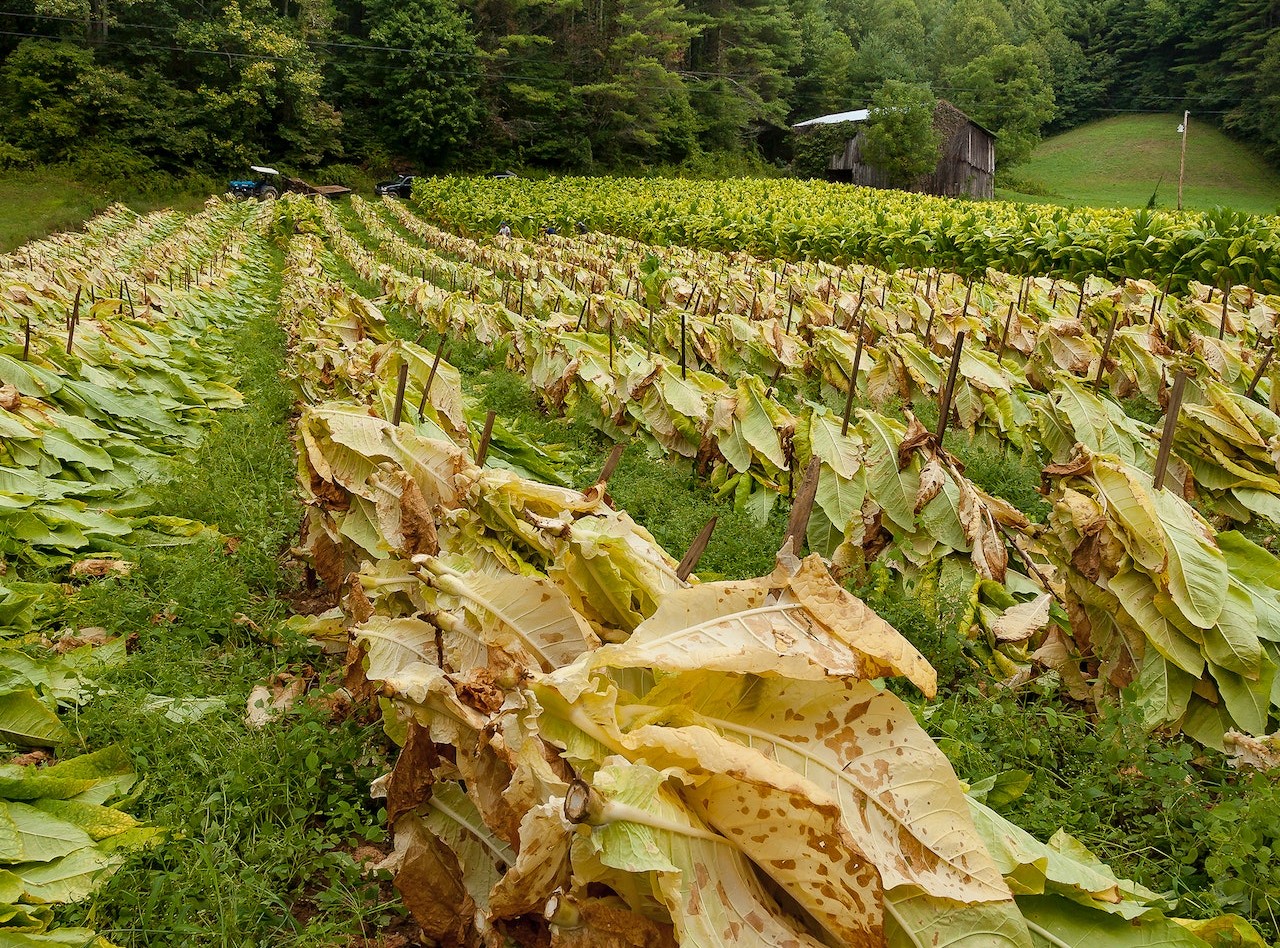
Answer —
(1118, 162)
(39, 202)
(261, 824)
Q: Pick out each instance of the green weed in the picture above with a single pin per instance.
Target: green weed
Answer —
(261, 824)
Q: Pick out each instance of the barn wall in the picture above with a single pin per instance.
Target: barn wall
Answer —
(967, 165)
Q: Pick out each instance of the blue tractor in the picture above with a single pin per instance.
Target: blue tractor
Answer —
(266, 187)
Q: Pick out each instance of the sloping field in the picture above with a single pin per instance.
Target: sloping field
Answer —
(1117, 162)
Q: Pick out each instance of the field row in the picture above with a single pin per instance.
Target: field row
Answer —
(796, 220)
(485, 603)
(590, 738)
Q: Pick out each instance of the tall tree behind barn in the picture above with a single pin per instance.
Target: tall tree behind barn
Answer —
(966, 159)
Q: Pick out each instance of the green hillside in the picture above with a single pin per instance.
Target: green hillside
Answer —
(1117, 161)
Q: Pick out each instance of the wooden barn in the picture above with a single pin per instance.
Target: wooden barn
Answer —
(966, 159)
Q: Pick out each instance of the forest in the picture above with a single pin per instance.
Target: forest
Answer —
(141, 86)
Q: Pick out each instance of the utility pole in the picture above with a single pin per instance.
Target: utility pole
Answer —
(1182, 162)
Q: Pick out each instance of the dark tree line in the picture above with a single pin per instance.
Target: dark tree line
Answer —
(593, 84)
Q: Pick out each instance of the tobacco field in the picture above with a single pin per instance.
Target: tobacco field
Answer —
(732, 564)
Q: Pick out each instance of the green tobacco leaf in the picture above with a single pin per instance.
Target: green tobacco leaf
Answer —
(1248, 702)
(1132, 507)
(1197, 571)
(99, 822)
(1056, 922)
(839, 452)
(56, 938)
(915, 919)
(26, 720)
(839, 498)
(1225, 931)
(1233, 642)
(1257, 571)
(894, 490)
(31, 835)
(69, 879)
(755, 419)
(1163, 690)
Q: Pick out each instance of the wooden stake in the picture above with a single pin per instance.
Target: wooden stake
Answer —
(857, 307)
(777, 374)
(75, 318)
(582, 315)
(802, 507)
(791, 305)
(699, 546)
(1226, 300)
(26, 342)
(1044, 580)
(401, 378)
(521, 309)
(483, 451)
(611, 464)
(1106, 350)
(944, 413)
(1257, 376)
(1004, 336)
(1080, 304)
(853, 379)
(431, 377)
(1170, 424)
(1168, 284)
(683, 369)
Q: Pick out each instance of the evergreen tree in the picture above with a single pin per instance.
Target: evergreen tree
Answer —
(638, 107)
(823, 75)
(740, 64)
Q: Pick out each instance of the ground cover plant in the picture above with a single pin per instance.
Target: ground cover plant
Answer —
(566, 724)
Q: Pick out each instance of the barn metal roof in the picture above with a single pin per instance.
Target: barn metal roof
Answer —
(857, 115)
(860, 115)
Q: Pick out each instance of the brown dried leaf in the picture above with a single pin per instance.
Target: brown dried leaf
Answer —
(416, 521)
(1260, 753)
(271, 700)
(932, 478)
(96, 567)
(917, 436)
(412, 777)
(600, 924)
(430, 882)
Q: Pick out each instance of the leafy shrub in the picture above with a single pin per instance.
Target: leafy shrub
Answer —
(11, 156)
(1240, 847)
(812, 150)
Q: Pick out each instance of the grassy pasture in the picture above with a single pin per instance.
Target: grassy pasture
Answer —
(1118, 162)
